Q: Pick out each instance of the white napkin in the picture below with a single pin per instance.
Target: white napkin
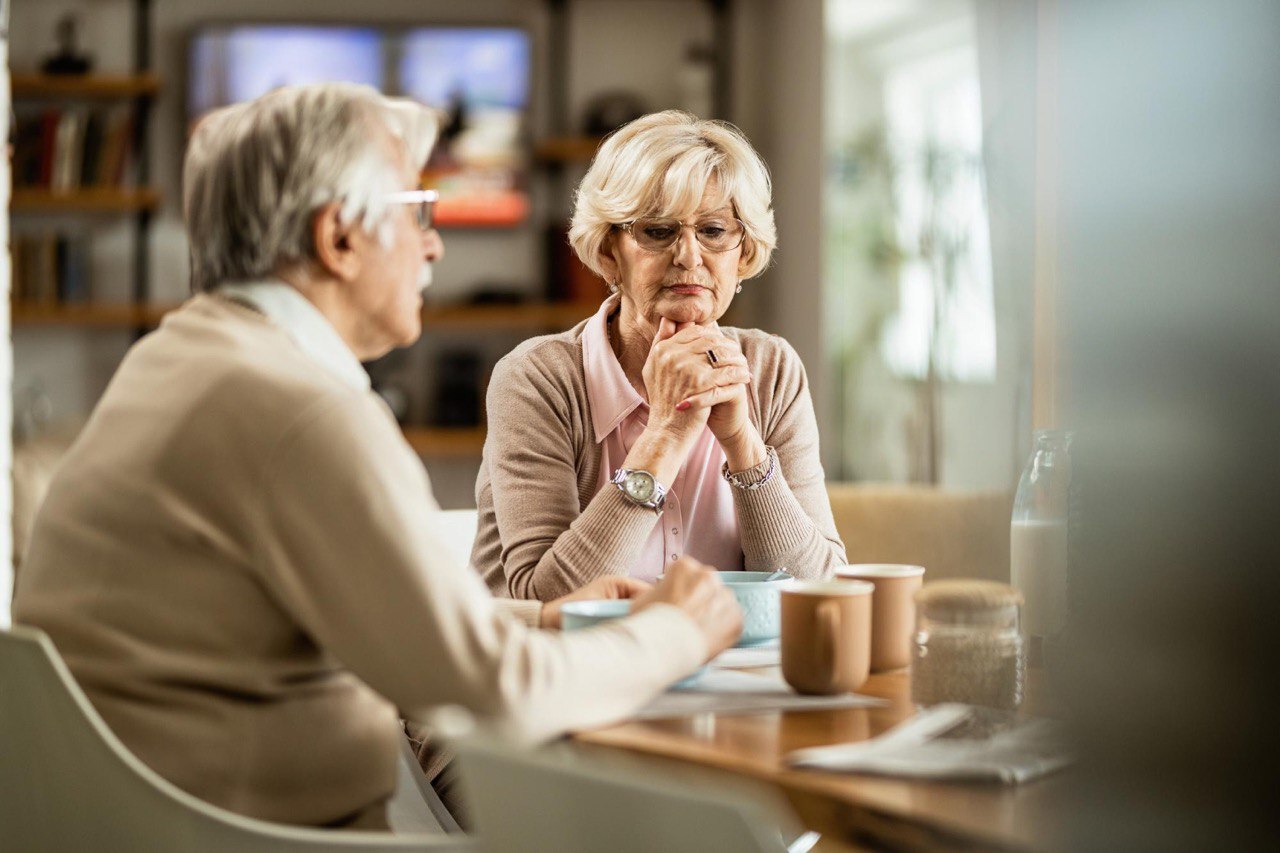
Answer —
(915, 749)
(726, 691)
(765, 654)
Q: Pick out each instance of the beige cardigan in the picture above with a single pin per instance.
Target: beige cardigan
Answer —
(237, 559)
(545, 531)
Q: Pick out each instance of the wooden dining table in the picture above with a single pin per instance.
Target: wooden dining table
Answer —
(853, 811)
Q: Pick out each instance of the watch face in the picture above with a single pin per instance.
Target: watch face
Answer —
(639, 486)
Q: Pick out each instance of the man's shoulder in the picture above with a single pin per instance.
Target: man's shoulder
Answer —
(239, 359)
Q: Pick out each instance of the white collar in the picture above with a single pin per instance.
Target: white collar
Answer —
(303, 322)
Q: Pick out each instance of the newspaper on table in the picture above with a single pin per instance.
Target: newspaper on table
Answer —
(950, 742)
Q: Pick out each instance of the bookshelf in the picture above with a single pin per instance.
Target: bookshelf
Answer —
(83, 200)
(81, 150)
(446, 442)
(567, 149)
(90, 87)
(531, 317)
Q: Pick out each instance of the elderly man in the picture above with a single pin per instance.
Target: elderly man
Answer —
(236, 557)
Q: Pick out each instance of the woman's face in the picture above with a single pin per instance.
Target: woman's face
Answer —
(687, 282)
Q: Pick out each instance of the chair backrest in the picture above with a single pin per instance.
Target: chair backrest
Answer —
(457, 529)
(552, 803)
(953, 534)
(68, 783)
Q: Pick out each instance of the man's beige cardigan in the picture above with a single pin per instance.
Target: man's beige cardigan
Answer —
(237, 560)
(545, 530)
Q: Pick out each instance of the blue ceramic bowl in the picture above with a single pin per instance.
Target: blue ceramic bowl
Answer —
(761, 603)
(575, 615)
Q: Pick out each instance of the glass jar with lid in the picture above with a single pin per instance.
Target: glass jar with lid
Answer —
(968, 645)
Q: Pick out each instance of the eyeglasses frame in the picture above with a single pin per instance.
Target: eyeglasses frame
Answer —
(626, 226)
(426, 199)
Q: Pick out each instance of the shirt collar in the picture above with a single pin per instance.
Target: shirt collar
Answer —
(310, 330)
(609, 393)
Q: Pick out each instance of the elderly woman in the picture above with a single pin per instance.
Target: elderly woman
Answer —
(648, 432)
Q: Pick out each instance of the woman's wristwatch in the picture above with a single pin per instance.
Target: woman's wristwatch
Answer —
(641, 488)
(755, 477)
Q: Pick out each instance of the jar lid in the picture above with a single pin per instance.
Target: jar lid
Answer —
(966, 599)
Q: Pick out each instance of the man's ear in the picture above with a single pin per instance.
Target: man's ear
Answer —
(334, 242)
(608, 263)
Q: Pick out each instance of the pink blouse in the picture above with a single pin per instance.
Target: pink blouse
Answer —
(698, 519)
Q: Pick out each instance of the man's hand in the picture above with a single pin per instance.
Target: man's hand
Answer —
(609, 586)
(697, 590)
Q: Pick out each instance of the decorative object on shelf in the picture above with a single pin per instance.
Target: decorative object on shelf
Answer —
(608, 111)
(457, 398)
(68, 59)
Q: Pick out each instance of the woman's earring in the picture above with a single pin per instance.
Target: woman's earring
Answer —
(739, 289)
(613, 287)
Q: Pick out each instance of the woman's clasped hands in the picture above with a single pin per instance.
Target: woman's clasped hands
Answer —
(697, 375)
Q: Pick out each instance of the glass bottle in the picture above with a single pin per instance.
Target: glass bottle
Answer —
(1038, 538)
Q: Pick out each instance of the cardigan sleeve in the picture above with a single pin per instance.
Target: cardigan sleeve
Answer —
(549, 547)
(787, 523)
(342, 548)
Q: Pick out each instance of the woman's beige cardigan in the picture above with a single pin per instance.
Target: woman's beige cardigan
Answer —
(545, 531)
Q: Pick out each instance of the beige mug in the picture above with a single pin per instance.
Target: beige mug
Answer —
(893, 610)
(826, 636)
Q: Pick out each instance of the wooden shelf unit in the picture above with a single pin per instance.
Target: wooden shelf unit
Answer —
(446, 442)
(84, 200)
(535, 316)
(567, 149)
(95, 87)
(102, 315)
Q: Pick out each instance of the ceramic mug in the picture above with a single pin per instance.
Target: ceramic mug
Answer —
(826, 636)
(893, 610)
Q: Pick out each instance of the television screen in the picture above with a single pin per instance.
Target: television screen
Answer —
(477, 76)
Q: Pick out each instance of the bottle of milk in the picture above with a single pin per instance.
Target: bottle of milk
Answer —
(1038, 538)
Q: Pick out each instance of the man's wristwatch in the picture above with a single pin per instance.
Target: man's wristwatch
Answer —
(641, 488)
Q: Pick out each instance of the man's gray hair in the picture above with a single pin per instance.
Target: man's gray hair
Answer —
(255, 173)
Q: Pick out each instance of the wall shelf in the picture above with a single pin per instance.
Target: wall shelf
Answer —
(446, 441)
(84, 200)
(567, 149)
(87, 87)
(534, 315)
(102, 315)
(543, 315)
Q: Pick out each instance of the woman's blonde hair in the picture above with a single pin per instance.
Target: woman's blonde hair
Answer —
(661, 165)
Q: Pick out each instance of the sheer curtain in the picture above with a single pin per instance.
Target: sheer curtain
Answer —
(928, 247)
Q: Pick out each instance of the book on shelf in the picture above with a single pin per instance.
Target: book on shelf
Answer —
(51, 269)
(76, 147)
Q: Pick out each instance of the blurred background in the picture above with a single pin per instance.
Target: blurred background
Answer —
(905, 287)
(994, 216)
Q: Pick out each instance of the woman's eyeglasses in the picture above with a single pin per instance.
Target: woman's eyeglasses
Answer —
(715, 234)
(425, 201)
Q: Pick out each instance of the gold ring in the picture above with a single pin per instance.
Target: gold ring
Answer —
(711, 357)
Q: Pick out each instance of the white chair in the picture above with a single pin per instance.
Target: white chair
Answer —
(545, 802)
(456, 528)
(68, 784)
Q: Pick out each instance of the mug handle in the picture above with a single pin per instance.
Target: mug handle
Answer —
(827, 616)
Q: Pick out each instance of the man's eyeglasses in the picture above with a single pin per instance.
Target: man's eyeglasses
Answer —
(715, 233)
(425, 201)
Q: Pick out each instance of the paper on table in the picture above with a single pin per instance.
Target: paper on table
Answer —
(765, 654)
(1026, 751)
(725, 691)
